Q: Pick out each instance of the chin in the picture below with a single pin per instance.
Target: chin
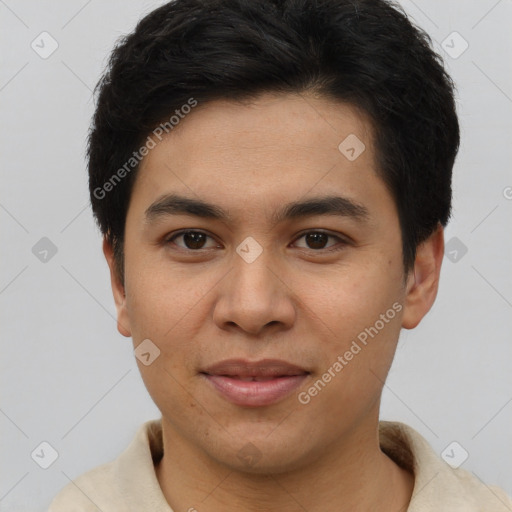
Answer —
(259, 454)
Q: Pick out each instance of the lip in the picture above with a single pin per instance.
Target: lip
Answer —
(276, 380)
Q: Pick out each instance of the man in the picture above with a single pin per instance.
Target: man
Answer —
(272, 179)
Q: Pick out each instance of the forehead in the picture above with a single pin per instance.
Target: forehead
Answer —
(280, 122)
(258, 154)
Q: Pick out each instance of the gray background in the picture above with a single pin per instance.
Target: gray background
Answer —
(68, 377)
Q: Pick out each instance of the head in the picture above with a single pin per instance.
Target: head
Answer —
(251, 106)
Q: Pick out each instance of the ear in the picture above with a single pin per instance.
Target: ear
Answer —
(123, 320)
(423, 279)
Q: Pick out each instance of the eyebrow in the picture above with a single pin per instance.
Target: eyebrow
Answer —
(174, 204)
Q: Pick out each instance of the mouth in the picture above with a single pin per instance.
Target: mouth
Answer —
(254, 384)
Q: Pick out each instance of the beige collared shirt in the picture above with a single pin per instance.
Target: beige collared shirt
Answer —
(129, 483)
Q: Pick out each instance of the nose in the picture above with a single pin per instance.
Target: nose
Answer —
(254, 298)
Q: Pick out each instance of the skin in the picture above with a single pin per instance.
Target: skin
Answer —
(297, 301)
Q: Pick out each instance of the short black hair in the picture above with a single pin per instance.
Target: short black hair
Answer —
(366, 53)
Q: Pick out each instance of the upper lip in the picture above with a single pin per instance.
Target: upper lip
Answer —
(262, 368)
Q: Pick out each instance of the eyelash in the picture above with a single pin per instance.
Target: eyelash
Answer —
(343, 241)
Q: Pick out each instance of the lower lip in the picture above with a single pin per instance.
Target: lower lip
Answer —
(255, 393)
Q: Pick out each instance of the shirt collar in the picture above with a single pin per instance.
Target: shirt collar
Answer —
(437, 486)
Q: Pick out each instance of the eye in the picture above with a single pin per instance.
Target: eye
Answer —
(193, 240)
(317, 240)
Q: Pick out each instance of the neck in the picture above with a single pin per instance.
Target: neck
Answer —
(352, 475)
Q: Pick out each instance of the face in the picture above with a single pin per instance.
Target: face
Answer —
(271, 271)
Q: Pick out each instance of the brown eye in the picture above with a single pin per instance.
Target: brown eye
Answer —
(317, 240)
(193, 240)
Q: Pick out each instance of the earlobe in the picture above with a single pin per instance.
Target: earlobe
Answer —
(118, 290)
(423, 279)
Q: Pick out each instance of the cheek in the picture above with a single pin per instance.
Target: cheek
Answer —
(165, 307)
(162, 299)
(170, 305)
(357, 313)
(350, 299)
(355, 362)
